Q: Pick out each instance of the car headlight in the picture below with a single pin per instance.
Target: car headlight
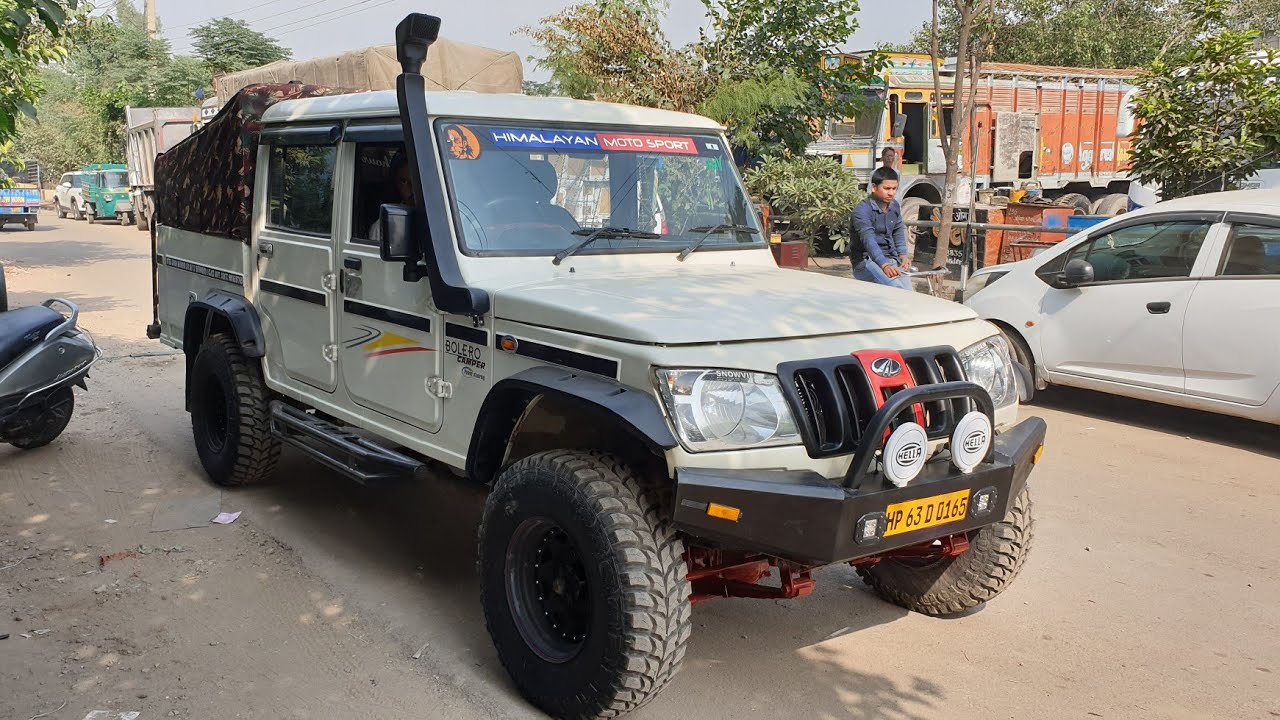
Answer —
(727, 409)
(987, 363)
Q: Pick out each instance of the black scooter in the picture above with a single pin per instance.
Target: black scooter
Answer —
(42, 355)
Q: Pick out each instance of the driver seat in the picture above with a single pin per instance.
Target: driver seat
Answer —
(22, 328)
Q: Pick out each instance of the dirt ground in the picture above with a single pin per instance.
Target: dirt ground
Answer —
(1152, 592)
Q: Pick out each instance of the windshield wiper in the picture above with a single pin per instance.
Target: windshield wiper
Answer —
(710, 230)
(596, 234)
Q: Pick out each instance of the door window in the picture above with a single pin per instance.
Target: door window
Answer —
(1153, 251)
(1252, 250)
(300, 188)
(382, 177)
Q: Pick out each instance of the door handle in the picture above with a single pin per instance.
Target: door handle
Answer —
(352, 263)
(1159, 308)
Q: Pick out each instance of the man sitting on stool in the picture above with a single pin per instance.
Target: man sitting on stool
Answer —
(877, 235)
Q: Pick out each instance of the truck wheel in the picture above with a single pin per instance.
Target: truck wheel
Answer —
(31, 225)
(1081, 203)
(1111, 205)
(62, 212)
(143, 223)
(584, 585)
(229, 415)
(46, 428)
(953, 585)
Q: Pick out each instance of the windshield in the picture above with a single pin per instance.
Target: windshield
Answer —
(525, 190)
(115, 180)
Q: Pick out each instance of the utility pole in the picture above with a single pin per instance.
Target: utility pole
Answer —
(151, 18)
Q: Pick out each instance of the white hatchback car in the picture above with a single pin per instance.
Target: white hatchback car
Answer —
(1176, 303)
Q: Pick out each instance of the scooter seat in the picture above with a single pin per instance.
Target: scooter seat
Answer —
(22, 328)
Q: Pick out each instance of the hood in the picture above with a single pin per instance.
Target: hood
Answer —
(689, 306)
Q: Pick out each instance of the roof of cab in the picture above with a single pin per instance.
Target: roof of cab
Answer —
(1248, 201)
(490, 106)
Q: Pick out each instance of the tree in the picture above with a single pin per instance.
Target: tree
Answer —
(614, 51)
(1209, 113)
(968, 61)
(754, 39)
(33, 33)
(229, 46)
(1073, 33)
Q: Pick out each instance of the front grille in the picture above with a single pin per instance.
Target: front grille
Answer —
(833, 401)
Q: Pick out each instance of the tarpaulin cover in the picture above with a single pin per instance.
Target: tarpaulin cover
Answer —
(451, 65)
(204, 184)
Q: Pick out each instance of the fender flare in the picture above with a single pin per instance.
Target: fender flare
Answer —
(239, 314)
(637, 411)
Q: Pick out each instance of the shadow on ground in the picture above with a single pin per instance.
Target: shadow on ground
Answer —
(34, 254)
(1257, 437)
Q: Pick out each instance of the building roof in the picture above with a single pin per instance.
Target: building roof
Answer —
(494, 106)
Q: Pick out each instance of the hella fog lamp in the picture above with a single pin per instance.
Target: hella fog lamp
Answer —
(904, 453)
(970, 441)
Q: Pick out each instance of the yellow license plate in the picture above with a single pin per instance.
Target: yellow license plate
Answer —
(927, 512)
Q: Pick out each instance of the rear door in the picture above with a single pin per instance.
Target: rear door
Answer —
(390, 334)
(1127, 325)
(1232, 334)
(296, 281)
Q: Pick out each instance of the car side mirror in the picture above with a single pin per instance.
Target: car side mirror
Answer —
(397, 243)
(899, 125)
(1077, 272)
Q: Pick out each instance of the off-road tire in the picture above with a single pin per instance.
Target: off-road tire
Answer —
(61, 211)
(1081, 203)
(230, 417)
(953, 585)
(46, 429)
(633, 570)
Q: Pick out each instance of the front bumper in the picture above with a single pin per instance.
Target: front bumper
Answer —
(806, 518)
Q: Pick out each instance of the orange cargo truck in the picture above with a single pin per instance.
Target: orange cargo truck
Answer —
(1053, 128)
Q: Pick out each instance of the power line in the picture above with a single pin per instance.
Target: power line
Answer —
(234, 12)
(331, 12)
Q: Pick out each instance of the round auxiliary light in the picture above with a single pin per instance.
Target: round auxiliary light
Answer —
(970, 441)
(904, 453)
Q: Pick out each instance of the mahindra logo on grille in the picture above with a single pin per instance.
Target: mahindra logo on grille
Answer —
(886, 367)
(974, 441)
(909, 454)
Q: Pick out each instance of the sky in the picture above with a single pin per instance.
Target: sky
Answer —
(314, 28)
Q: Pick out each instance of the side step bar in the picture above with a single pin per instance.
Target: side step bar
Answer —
(348, 453)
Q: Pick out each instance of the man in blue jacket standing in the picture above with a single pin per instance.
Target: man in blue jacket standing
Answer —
(877, 235)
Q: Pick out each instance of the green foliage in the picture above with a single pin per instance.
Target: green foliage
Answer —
(816, 194)
(742, 104)
(1074, 33)
(749, 38)
(33, 33)
(541, 89)
(68, 133)
(229, 46)
(760, 69)
(1209, 112)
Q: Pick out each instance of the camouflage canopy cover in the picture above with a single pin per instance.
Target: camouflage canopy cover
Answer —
(204, 184)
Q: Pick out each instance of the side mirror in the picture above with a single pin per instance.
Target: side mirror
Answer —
(899, 125)
(1077, 272)
(397, 242)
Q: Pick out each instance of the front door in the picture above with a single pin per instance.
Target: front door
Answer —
(388, 328)
(296, 280)
(1232, 342)
(1126, 326)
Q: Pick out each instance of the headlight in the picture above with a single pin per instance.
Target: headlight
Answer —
(108, 197)
(987, 363)
(727, 409)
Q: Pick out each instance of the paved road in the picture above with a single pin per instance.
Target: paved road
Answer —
(1152, 591)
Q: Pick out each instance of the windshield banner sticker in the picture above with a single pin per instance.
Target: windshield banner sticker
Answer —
(575, 139)
(648, 143)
